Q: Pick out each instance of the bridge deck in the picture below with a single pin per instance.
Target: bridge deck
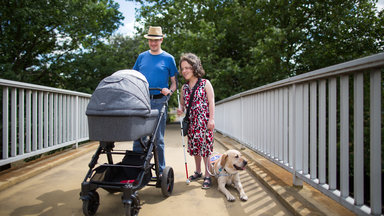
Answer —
(51, 187)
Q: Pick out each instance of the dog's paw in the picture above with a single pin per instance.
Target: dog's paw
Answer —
(230, 198)
(244, 197)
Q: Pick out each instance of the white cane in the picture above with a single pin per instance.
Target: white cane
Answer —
(182, 138)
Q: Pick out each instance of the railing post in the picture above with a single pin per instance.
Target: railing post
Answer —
(46, 121)
(286, 125)
(34, 121)
(13, 122)
(291, 123)
(268, 124)
(28, 123)
(322, 132)
(305, 129)
(5, 122)
(313, 129)
(297, 133)
(21, 124)
(55, 119)
(358, 137)
(344, 136)
(332, 133)
(77, 121)
(50, 143)
(40, 121)
(375, 145)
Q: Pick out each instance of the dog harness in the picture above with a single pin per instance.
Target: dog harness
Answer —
(222, 171)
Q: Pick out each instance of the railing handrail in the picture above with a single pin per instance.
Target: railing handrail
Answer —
(369, 62)
(16, 84)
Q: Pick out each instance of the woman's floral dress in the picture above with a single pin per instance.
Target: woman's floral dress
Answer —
(200, 139)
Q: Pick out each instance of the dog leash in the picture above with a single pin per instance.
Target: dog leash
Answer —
(216, 157)
(212, 161)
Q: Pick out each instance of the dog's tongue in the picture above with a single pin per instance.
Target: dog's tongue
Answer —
(238, 168)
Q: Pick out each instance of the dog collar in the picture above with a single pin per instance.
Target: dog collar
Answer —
(223, 172)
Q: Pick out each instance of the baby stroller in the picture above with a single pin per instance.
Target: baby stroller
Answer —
(119, 110)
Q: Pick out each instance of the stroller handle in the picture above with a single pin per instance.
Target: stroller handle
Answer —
(156, 89)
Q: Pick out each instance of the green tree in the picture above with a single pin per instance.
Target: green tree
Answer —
(38, 34)
(244, 44)
(83, 71)
(340, 31)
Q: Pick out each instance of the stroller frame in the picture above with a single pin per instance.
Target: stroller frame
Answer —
(129, 189)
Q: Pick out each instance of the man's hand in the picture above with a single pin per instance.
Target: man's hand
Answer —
(166, 91)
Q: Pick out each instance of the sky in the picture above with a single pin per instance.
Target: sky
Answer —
(380, 4)
(128, 10)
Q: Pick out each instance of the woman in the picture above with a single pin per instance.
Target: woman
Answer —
(201, 114)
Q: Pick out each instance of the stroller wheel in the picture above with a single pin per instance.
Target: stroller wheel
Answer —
(91, 205)
(167, 181)
(133, 208)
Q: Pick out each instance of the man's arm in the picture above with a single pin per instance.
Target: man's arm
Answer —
(173, 83)
(166, 91)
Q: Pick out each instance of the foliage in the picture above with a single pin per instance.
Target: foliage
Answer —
(40, 33)
(244, 44)
(83, 72)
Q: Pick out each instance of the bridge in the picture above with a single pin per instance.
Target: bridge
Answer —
(322, 130)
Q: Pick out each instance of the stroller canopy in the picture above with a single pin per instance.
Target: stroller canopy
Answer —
(124, 93)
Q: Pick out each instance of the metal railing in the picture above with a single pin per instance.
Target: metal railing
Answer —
(39, 119)
(324, 126)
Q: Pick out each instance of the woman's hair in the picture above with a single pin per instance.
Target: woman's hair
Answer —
(195, 62)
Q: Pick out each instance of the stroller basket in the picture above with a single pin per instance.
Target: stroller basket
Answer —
(119, 109)
(127, 171)
(115, 174)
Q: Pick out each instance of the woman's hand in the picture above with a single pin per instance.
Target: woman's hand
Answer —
(211, 124)
(180, 111)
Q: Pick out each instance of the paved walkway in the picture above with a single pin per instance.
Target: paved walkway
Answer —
(51, 187)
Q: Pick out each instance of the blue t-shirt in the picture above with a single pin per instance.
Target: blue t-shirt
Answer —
(156, 68)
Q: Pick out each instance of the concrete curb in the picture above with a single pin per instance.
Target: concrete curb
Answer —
(300, 201)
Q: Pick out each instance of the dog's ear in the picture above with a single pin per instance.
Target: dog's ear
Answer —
(223, 160)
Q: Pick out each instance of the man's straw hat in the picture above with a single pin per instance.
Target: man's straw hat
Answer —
(154, 32)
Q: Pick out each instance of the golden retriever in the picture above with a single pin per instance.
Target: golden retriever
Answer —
(226, 170)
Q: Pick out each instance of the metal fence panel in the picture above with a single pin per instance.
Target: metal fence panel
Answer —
(322, 126)
(39, 119)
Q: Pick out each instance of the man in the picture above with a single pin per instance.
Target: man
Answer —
(158, 67)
